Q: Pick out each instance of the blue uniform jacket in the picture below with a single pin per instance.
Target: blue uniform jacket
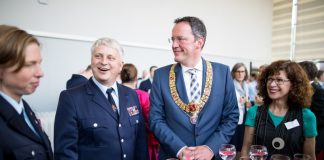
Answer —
(17, 140)
(87, 128)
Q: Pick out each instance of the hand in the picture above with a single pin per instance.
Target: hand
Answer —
(186, 154)
(242, 99)
(202, 153)
(258, 100)
(248, 104)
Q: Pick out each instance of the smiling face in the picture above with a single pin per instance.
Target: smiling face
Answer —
(278, 86)
(106, 64)
(26, 80)
(185, 47)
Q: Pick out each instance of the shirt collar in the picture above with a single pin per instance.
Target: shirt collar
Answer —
(17, 106)
(198, 67)
(104, 88)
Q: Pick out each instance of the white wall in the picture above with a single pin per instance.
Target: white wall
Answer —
(237, 31)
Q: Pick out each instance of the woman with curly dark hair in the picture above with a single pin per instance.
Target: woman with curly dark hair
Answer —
(284, 123)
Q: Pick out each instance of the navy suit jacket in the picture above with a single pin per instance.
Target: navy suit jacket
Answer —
(86, 127)
(145, 85)
(217, 120)
(76, 80)
(17, 140)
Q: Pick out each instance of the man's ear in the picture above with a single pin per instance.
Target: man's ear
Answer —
(200, 42)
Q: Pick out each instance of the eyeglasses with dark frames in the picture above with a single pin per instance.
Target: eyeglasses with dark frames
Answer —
(278, 81)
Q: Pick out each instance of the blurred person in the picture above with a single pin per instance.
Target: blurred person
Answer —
(193, 102)
(129, 76)
(21, 134)
(252, 87)
(258, 100)
(78, 79)
(317, 105)
(320, 78)
(240, 77)
(146, 85)
(142, 78)
(100, 119)
(284, 123)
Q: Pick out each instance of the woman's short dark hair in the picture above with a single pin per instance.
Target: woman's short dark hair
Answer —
(301, 90)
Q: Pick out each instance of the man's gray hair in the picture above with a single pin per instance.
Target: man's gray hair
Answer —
(110, 43)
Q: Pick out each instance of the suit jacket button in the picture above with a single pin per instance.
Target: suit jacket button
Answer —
(124, 156)
(122, 140)
(33, 153)
(119, 125)
(95, 125)
(136, 121)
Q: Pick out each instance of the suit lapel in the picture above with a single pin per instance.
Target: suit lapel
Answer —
(123, 96)
(203, 86)
(37, 125)
(100, 99)
(180, 84)
(15, 121)
(203, 76)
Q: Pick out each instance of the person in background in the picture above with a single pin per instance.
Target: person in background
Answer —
(317, 105)
(78, 79)
(284, 123)
(252, 86)
(21, 134)
(258, 100)
(146, 85)
(193, 103)
(320, 78)
(129, 76)
(240, 77)
(142, 78)
(100, 119)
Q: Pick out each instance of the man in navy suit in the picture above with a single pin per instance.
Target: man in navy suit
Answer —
(101, 119)
(193, 103)
(147, 84)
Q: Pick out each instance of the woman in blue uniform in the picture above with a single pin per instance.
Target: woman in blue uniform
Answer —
(20, 132)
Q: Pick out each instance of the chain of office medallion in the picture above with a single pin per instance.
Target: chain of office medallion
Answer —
(204, 98)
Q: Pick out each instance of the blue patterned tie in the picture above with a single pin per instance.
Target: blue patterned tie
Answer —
(194, 86)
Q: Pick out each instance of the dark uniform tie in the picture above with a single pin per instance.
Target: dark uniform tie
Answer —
(27, 121)
(111, 100)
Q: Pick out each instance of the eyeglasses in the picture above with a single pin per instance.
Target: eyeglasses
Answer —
(178, 39)
(239, 71)
(278, 81)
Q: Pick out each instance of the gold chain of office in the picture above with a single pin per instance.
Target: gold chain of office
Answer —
(192, 107)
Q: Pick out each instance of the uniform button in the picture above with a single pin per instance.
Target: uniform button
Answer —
(122, 140)
(119, 125)
(136, 121)
(33, 153)
(95, 125)
(124, 155)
